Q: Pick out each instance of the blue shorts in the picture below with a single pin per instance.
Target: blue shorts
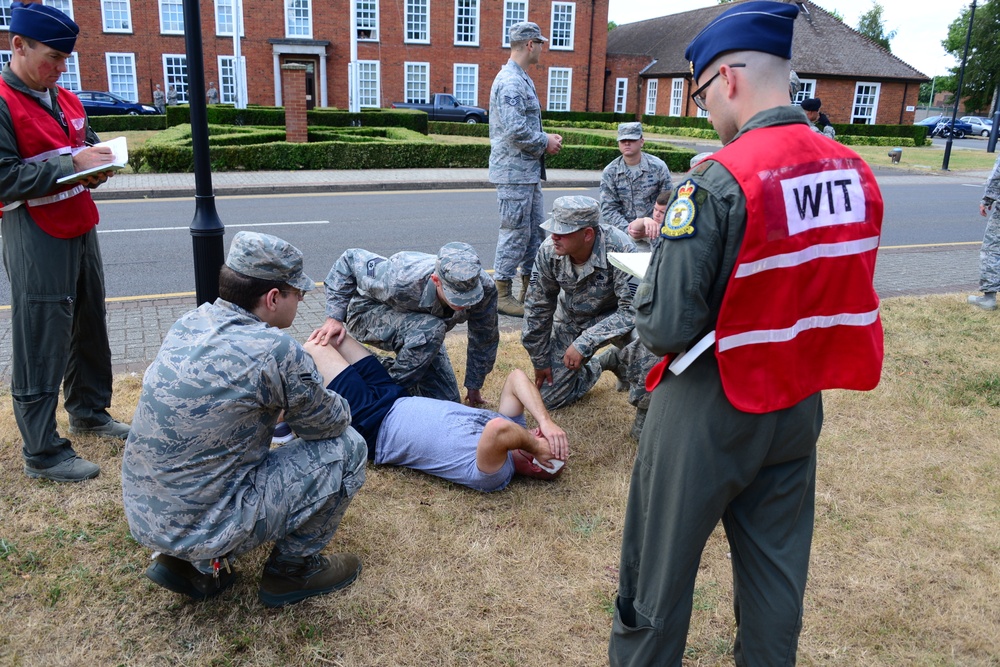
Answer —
(368, 389)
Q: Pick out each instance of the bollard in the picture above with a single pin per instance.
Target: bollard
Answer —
(896, 154)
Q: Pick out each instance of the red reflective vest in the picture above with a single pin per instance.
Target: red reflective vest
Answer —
(800, 313)
(68, 210)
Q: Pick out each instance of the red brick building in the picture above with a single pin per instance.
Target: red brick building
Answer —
(857, 80)
(407, 49)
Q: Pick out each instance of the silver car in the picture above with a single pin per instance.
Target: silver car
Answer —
(980, 125)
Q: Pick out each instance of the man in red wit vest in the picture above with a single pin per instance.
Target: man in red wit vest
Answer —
(50, 249)
(771, 249)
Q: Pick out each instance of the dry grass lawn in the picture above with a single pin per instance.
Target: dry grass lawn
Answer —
(905, 571)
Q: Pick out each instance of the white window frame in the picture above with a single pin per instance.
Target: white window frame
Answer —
(227, 92)
(368, 31)
(421, 89)
(471, 100)
(676, 97)
(130, 91)
(621, 95)
(559, 43)
(374, 100)
(512, 13)
(474, 35)
(856, 105)
(105, 18)
(70, 79)
(231, 5)
(651, 87)
(65, 6)
(169, 28)
(5, 16)
(182, 90)
(551, 103)
(293, 28)
(418, 15)
(807, 89)
(5, 56)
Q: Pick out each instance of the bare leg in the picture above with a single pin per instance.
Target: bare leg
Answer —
(331, 360)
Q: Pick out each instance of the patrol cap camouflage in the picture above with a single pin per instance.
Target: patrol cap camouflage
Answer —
(570, 214)
(629, 131)
(458, 268)
(525, 32)
(269, 258)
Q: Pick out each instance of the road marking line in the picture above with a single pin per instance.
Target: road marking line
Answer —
(254, 224)
(287, 195)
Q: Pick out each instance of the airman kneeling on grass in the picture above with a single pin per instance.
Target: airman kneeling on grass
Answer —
(200, 482)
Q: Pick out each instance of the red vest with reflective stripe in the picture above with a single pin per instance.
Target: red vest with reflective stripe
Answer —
(800, 313)
(40, 136)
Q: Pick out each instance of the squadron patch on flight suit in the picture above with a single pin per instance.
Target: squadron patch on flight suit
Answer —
(678, 223)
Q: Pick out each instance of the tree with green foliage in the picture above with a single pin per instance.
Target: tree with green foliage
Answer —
(981, 82)
(612, 25)
(872, 25)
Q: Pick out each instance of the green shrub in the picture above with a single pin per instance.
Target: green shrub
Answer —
(585, 116)
(102, 124)
(677, 121)
(597, 158)
(856, 140)
(458, 129)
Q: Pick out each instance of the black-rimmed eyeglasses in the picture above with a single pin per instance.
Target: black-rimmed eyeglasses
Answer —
(699, 95)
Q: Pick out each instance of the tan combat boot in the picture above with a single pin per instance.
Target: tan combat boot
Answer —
(506, 303)
(525, 281)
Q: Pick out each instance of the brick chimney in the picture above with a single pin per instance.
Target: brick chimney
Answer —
(293, 94)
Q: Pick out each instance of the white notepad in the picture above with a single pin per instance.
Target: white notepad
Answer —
(632, 263)
(119, 148)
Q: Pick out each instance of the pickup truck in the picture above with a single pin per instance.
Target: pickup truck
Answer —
(446, 107)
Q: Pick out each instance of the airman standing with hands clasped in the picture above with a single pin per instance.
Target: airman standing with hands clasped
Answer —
(517, 164)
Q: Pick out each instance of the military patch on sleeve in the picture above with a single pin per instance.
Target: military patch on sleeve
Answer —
(678, 223)
(512, 100)
(372, 264)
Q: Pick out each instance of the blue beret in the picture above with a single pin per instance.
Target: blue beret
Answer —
(760, 25)
(44, 24)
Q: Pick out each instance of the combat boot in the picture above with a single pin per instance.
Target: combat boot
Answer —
(610, 360)
(289, 579)
(640, 421)
(525, 281)
(988, 301)
(506, 303)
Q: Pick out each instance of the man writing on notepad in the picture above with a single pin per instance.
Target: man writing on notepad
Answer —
(50, 249)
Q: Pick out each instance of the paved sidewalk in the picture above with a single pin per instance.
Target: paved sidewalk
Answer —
(137, 326)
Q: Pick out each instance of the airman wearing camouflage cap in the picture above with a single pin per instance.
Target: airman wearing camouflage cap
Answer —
(459, 269)
(406, 303)
(268, 258)
(630, 185)
(525, 31)
(578, 302)
(200, 481)
(518, 147)
(570, 214)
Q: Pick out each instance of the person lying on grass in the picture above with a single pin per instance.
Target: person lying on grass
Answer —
(474, 447)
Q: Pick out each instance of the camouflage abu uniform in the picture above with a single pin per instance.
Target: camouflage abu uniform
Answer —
(989, 254)
(517, 150)
(393, 305)
(198, 477)
(587, 306)
(628, 193)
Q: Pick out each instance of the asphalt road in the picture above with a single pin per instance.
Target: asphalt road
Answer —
(147, 246)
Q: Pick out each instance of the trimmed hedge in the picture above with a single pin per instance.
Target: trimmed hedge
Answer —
(855, 140)
(226, 114)
(677, 121)
(584, 116)
(458, 129)
(127, 123)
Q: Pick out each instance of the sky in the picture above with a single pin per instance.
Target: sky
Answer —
(920, 29)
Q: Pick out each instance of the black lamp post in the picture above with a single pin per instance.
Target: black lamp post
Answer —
(958, 91)
(207, 229)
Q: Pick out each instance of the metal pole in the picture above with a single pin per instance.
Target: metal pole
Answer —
(239, 74)
(991, 145)
(958, 91)
(206, 228)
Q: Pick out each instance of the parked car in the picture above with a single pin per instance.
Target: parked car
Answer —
(97, 103)
(930, 121)
(446, 107)
(932, 124)
(980, 125)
